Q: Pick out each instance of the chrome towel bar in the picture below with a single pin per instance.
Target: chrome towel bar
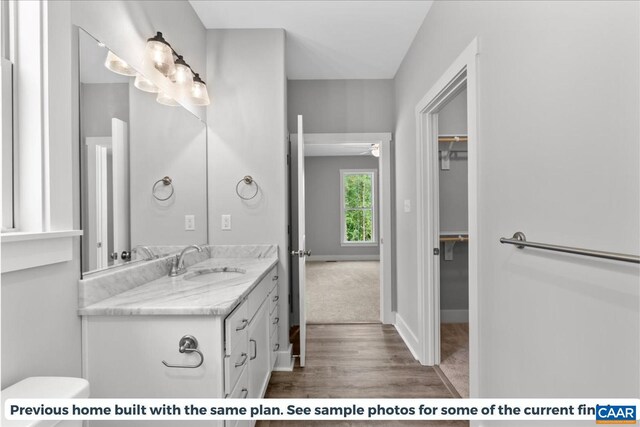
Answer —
(520, 240)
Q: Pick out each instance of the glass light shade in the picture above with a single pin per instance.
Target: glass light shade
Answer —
(118, 66)
(375, 150)
(165, 99)
(183, 75)
(144, 84)
(199, 94)
(160, 53)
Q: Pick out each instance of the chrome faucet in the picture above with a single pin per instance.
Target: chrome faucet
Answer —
(147, 252)
(177, 268)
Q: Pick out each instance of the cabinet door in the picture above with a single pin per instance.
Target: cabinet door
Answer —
(259, 353)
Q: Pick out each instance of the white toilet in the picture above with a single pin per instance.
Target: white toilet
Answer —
(45, 387)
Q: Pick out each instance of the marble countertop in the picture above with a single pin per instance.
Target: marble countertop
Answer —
(181, 296)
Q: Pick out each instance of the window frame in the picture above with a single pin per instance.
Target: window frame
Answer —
(344, 209)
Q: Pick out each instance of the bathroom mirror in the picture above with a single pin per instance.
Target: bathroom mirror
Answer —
(143, 166)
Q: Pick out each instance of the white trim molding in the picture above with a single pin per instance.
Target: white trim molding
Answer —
(462, 72)
(285, 360)
(28, 250)
(407, 335)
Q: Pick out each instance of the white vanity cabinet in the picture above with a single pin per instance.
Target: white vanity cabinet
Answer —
(248, 340)
(123, 354)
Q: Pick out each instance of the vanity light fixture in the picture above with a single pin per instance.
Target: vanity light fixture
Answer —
(160, 53)
(118, 66)
(145, 85)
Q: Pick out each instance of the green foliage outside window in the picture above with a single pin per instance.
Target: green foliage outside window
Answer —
(358, 207)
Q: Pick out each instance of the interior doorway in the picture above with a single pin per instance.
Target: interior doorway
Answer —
(438, 235)
(347, 280)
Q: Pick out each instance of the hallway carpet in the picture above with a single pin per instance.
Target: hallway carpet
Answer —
(343, 292)
(454, 355)
(357, 361)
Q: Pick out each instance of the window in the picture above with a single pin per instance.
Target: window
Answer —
(358, 219)
(6, 110)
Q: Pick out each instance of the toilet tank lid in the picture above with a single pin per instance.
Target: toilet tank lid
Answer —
(47, 387)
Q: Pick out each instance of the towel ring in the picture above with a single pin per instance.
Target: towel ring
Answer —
(166, 181)
(247, 180)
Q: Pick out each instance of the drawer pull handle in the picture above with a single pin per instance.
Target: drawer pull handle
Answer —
(255, 349)
(276, 347)
(274, 278)
(245, 393)
(244, 360)
(276, 298)
(245, 323)
(276, 320)
(187, 344)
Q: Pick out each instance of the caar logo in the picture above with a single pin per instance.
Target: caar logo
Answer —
(615, 414)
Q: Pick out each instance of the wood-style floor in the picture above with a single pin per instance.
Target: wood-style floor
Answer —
(358, 361)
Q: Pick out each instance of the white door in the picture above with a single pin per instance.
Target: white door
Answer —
(302, 252)
(100, 239)
(120, 171)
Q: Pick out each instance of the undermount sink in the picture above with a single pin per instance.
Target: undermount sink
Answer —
(213, 274)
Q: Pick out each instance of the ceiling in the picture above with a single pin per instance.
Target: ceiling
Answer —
(328, 39)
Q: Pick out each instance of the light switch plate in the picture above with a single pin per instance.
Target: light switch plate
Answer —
(226, 222)
(407, 206)
(189, 222)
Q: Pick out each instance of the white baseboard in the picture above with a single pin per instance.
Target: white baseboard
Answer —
(344, 258)
(407, 336)
(285, 360)
(454, 316)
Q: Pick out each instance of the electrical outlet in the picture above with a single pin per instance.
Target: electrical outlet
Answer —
(189, 222)
(226, 222)
(407, 206)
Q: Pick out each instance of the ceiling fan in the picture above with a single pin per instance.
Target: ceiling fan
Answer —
(373, 150)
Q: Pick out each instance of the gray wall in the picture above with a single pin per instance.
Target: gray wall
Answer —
(453, 185)
(166, 141)
(41, 303)
(322, 193)
(247, 136)
(341, 106)
(547, 106)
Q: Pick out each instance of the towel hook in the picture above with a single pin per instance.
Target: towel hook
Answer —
(187, 344)
(248, 180)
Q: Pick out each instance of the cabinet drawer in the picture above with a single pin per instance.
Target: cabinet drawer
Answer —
(258, 295)
(234, 366)
(241, 389)
(236, 325)
(274, 297)
(274, 319)
(275, 346)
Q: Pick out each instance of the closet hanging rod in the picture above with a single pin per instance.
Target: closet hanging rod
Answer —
(520, 240)
(453, 138)
(454, 237)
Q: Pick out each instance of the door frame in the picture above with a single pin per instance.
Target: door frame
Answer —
(462, 72)
(385, 236)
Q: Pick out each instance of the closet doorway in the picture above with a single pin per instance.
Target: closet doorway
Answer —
(447, 212)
